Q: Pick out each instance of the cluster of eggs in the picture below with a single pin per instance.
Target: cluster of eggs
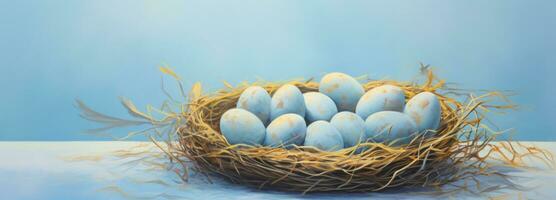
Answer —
(340, 115)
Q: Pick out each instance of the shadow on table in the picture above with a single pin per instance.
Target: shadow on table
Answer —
(141, 176)
(164, 184)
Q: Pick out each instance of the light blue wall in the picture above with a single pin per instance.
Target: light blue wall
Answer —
(54, 51)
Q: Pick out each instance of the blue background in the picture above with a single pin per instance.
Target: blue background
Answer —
(52, 52)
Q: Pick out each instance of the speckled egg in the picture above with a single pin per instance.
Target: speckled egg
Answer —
(318, 107)
(350, 126)
(324, 136)
(343, 89)
(256, 100)
(382, 98)
(390, 127)
(285, 130)
(287, 99)
(239, 126)
(424, 108)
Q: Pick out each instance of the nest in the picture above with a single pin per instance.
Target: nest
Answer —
(460, 149)
(427, 161)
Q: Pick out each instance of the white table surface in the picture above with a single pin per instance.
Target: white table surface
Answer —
(89, 170)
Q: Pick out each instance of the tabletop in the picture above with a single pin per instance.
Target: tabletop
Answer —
(136, 170)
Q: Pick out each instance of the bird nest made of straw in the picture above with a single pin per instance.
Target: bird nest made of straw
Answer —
(460, 149)
(427, 161)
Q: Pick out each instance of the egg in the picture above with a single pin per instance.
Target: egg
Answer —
(324, 136)
(390, 127)
(318, 107)
(287, 99)
(424, 108)
(350, 126)
(381, 98)
(239, 126)
(285, 130)
(256, 100)
(343, 89)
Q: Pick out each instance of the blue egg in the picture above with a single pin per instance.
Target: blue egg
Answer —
(239, 126)
(424, 108)
(382, 98)
(350, 126)
(318, 107)
(343, 89)
(287, 99)
(256, 100)
(285, 130)
(324, 136)
(390, 127)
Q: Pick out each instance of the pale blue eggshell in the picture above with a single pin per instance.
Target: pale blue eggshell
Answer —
(350, 126)
(424, 109)
(287, 99)
(285, 130)
(318, 107)
(390, 127)
(324, 136)
(239, 126)
(343, 89)
(256, 100)
(382, 98)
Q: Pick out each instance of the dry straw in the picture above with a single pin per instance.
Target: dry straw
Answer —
(462, 149)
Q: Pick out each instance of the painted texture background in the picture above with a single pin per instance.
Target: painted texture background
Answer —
(52, 52)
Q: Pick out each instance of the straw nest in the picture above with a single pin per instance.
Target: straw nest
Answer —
(461, 148)
(450, 155)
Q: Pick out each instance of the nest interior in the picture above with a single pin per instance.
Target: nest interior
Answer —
(449, 155)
